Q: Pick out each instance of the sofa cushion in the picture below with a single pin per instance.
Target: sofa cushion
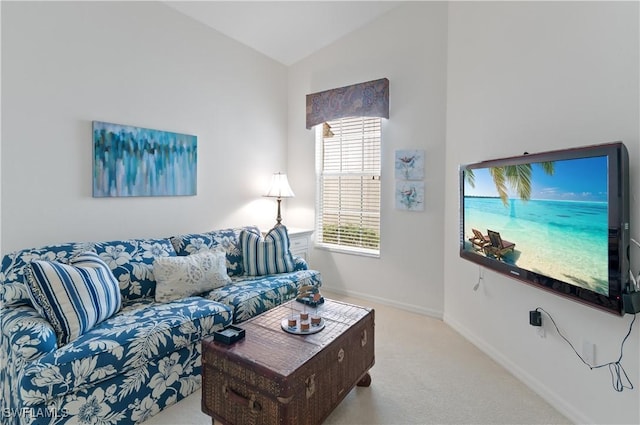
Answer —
(14, 290)
(268, 255)
(28, 334)
(192, 243)
(138, 335)
(228, 239)
(181, 277)
(131, 262)
(249, 296)
(73, 297)
(14, 294)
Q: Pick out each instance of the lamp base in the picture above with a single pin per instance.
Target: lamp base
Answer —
(279, 217)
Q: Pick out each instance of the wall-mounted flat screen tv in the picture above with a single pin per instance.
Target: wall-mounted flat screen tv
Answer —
(558, 220)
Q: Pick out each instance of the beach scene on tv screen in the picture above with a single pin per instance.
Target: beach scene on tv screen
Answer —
(550, 218)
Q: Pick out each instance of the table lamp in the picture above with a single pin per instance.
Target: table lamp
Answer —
(279, 189)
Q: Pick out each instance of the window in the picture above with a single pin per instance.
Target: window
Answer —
(348, 178)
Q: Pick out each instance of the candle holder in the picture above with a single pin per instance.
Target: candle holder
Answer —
(304, 323)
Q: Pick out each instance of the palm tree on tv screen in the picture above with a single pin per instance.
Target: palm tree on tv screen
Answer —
(518, 177)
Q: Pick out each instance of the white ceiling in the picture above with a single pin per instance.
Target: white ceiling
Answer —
(286, 31)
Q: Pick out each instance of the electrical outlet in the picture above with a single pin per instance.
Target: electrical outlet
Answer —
(535, 318)
(589, 352)
(541, 332)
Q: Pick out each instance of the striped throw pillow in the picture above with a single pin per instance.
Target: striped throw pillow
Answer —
(73, 297)
(270, 255)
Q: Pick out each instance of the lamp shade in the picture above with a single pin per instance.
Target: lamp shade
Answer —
(280, 187)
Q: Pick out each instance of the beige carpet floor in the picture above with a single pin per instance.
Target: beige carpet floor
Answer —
(425, 373)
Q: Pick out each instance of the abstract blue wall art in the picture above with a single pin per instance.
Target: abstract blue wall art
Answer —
(134, 161)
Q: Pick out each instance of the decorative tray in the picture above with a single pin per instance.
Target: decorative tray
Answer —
(229, 335)
(297, 330)
(308, 300)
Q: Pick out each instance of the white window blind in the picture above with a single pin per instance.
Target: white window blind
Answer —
(348, 195)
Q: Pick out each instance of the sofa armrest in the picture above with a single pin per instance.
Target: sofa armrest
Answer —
(29, 335)
(300, 264)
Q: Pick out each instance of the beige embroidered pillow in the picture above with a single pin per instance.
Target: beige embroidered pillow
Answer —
(181, 277)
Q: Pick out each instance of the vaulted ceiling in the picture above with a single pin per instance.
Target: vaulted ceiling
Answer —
(286, 31)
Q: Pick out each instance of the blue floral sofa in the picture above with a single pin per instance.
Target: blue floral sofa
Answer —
(144, 357)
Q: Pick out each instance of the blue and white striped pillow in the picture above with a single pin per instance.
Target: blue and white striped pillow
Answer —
(74, 297)
(270, 255)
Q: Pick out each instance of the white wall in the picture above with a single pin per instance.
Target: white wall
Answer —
(65, 64)
(533, 77)
(408, 46)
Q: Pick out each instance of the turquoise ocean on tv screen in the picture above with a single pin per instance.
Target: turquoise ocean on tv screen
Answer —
(565, 240)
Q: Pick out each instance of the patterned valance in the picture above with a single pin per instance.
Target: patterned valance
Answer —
(370, 99)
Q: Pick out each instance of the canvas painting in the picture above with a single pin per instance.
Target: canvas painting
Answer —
(134, 161)
(409, 195)
(409, 164)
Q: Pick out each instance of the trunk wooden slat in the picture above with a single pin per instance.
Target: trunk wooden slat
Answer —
(273, 377)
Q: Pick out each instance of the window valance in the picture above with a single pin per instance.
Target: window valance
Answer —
(370, 99)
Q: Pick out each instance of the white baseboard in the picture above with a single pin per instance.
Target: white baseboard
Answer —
(543, 391)
(403, 306)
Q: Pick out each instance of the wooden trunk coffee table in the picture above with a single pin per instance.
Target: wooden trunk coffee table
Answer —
(275, 377)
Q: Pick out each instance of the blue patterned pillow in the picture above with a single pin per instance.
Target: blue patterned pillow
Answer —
(74, 297)
(270, 255)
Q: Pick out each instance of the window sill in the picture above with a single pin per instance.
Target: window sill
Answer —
(362, 252)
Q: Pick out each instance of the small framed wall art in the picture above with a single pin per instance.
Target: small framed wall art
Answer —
(409, 195)
(409, 164)
(409, 173)
(134, 161)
